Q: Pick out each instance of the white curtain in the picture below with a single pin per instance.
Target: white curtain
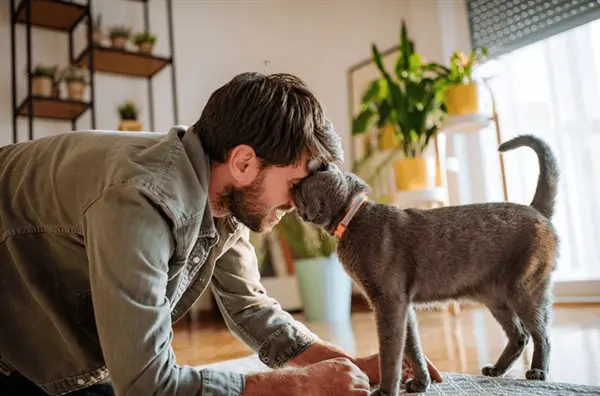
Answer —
(552, 89)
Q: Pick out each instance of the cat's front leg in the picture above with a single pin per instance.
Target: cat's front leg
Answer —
(390, 315)
(414, 354)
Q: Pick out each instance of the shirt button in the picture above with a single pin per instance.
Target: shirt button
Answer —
(80, 381)
(196, 260)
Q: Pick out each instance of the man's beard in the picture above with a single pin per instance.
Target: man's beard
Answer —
(246, 206)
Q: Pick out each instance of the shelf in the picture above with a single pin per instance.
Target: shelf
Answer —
(119, 61)
(52, 14)
(53, 108)
(467, 123)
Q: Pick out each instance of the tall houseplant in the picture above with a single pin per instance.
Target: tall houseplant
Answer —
(325, 287)
(409, 102)
(461, 95)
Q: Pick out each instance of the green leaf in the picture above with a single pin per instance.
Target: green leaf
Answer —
(373, 92)
(384, 113)
(363, 122)
(414, 61)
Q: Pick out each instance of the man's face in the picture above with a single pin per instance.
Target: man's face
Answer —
(264, 195)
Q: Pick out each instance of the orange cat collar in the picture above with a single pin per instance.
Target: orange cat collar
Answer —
(357, 202)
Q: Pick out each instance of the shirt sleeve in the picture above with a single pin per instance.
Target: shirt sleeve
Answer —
(255, 318)
(129, 243)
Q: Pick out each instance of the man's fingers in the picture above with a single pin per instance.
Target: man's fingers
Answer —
(359, 374)
(361, 383)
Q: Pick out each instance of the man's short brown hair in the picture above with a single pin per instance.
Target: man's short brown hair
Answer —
(277, 115)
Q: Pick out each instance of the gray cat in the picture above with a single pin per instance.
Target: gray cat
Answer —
(499, 254)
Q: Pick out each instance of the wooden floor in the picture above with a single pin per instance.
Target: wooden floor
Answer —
(462, 343)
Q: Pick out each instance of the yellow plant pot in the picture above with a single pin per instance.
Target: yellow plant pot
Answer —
(462, 99)
(42, 86)
(414, 173)
(75, 90)
(388, 139)
(131, 126)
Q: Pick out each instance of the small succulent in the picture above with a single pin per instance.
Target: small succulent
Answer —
(120, 31)
(44, 71)
(144, 37)
(73, 73)
(128, 111)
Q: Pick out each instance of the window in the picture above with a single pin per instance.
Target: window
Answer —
(551, 88)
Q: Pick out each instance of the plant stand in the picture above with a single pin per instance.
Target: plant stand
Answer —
(65, 16)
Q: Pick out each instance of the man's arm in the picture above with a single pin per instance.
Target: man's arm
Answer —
(129, 244)
(254, 317)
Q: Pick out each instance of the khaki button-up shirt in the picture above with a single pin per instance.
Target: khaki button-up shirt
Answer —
(106, 239)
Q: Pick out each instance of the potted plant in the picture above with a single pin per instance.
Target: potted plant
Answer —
(75, 79)
(407, 104)
(325, 287)
(461, 95)
(98, 35)
(145, 42)
(119, 35)
(128, 113)
(42, 80)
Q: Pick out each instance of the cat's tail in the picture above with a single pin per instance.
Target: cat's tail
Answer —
(544, 199)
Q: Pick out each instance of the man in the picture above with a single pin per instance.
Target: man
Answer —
(107, 238)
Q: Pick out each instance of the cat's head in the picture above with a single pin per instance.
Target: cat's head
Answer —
(324, 196)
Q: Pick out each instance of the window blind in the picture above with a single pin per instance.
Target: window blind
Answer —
(506, 25)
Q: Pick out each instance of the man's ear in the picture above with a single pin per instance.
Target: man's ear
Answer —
(243, 164)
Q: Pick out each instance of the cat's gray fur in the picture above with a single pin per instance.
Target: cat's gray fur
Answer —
(500, 254)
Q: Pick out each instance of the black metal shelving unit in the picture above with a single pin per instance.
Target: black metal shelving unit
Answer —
(65, 16)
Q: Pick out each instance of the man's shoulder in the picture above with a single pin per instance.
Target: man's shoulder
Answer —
(155, 162)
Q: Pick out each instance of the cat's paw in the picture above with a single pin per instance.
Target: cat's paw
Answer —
(415, 386)
(491, 371)
(536, 374)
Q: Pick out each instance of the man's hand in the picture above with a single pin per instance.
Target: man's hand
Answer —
(370, 365)
(322, 350)
(338, 376)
